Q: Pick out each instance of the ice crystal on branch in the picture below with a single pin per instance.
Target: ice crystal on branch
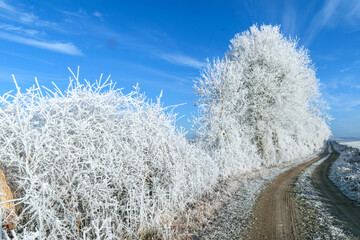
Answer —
(93, 163)
(261, 101)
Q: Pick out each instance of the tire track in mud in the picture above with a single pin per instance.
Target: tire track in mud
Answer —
(276, 214)
(346, 212)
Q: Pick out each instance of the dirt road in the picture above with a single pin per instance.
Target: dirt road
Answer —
(276, 214)
(344, 209)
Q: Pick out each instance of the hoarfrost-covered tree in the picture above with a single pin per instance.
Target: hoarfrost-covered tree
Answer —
(262, 100)
(93, 163)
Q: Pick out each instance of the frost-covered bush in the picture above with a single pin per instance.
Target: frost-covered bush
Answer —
(93, 163)
(345, 171)
(261, 101)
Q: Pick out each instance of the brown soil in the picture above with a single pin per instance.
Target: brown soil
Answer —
(276, 214)
(344, 209)
(8, 208)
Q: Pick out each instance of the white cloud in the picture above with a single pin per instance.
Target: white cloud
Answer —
(25, 27)
(325, 57)
(65, 48)
(97, 14)
(347, 81)
(180, 79)
(18, 29)
(6, 6)
(81, 13)
(343, 101)
(11, 13)
(332, 14)
(322, 19)
(351, 104)
(290, 18)
(181, 59)
(328, 11)
(353, 15)
(353, 65)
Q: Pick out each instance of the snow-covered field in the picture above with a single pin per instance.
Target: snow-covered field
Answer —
(354, 144)
(345, 171)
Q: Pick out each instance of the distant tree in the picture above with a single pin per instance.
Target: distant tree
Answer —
(262, 95)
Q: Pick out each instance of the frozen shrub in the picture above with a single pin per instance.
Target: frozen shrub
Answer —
(261, 101)
(93, 163)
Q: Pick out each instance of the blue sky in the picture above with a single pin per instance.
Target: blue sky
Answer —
(162, 45)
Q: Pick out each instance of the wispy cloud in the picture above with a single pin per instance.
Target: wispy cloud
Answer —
(156, 78)
(350, 67)
(343, 92)
(180, 59)
(345, 69)
(97, 14)
(290, 18)
(322, 19)
(332, 14)
(81, 13)
(27, 28)
(343, 101)
(19, 30)
(353, 15)
(25, 56)
(26, 77)
(325, 57)
(348, 105)
(10, 12)
(65, 48)
(352, 104)
(6, 6)
(348, 81)
(179, 79)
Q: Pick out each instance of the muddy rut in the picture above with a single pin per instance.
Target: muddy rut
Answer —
(276, 214)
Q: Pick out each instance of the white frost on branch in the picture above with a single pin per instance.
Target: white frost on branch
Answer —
(260, 103)
(93, 163)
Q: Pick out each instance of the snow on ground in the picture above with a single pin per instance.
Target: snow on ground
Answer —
(230, 213)
(314, 211)
(345, 171)
(354, 144)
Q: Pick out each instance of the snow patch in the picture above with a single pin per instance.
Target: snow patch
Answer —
(354, 144)
(315, 213)
(345, 171)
